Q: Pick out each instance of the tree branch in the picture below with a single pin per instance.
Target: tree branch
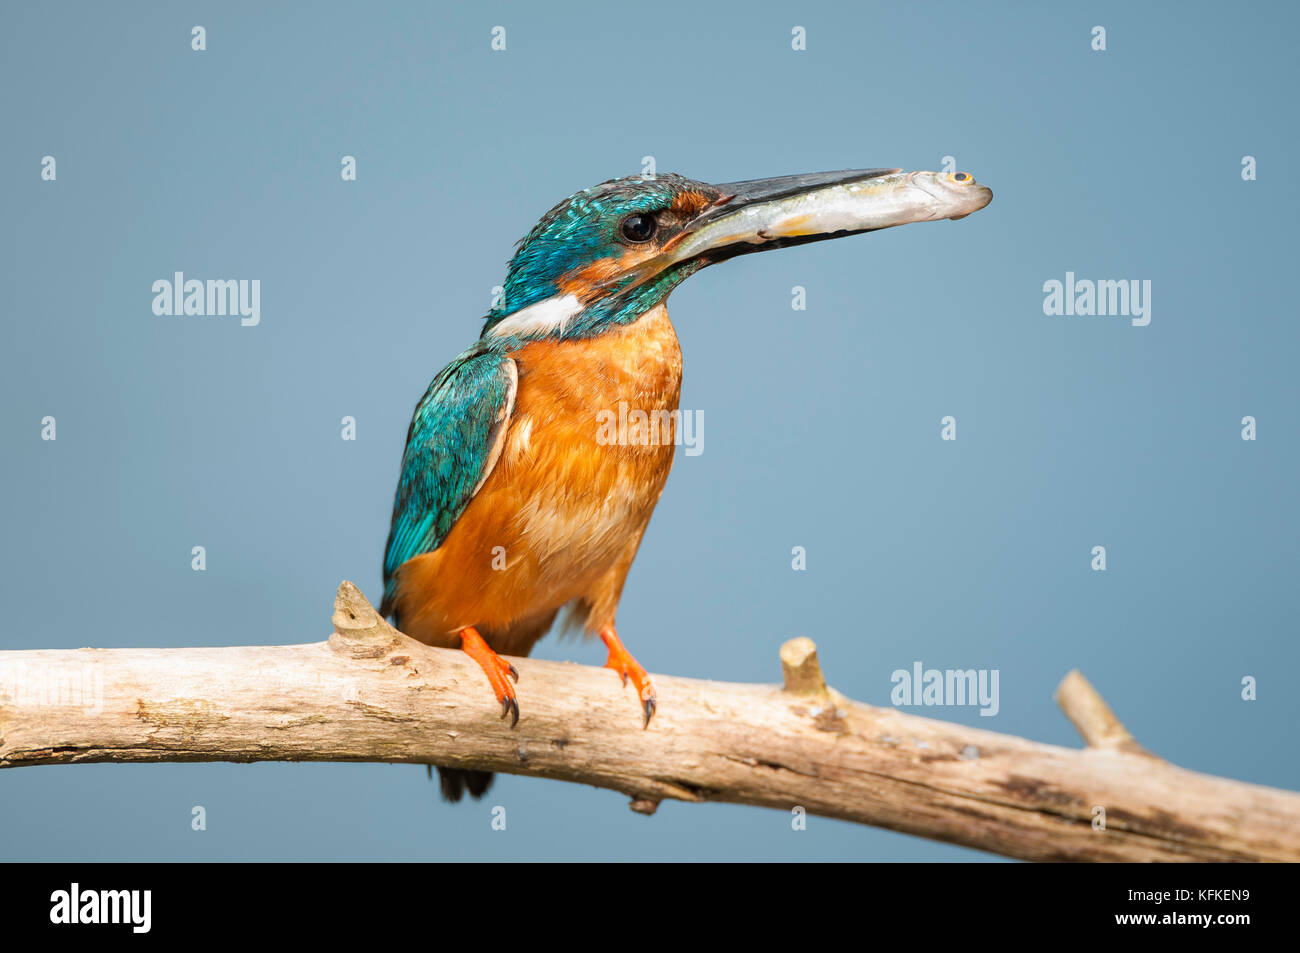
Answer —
(370, 693)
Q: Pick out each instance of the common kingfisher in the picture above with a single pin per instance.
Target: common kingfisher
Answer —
(510, 506)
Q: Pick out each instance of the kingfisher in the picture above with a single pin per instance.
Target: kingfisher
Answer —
(513, 503)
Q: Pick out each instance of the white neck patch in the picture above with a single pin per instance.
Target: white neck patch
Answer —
(543, 317)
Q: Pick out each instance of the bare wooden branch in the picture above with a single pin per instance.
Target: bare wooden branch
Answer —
(370, 693)
(1090, 714)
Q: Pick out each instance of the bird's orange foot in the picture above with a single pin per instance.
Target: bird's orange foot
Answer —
(621, 661)
(497, 669)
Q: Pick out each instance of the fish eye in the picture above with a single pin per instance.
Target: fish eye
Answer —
(638, 228)
(961, 177)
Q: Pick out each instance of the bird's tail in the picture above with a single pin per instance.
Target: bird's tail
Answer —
(456, 781)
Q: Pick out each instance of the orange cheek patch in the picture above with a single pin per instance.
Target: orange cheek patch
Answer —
(581, 282)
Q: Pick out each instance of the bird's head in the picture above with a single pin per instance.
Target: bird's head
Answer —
(610, 253)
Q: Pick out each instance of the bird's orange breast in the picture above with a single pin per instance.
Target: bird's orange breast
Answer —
(562, 512)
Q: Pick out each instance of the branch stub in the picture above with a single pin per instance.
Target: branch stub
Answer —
(800, 669)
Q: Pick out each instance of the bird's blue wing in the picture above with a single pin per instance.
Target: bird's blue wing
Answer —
(455, 437)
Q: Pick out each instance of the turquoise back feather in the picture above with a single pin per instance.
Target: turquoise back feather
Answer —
(448, 446)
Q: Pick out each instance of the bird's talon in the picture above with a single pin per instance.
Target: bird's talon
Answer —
(497, 670)
(628, 668)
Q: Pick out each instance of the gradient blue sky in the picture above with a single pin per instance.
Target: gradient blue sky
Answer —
(821, 426)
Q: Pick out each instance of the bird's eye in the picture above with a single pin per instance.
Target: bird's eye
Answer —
(639, 228)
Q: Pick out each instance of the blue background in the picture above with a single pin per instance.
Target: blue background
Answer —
(821, 426)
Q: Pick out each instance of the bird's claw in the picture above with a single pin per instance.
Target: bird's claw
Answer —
(499, 672)
(628, 668)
